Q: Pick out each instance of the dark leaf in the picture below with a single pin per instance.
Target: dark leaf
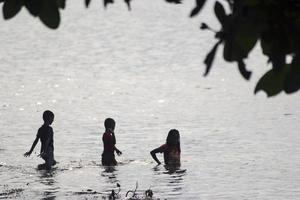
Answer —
(11, 8)
(128, 4)
(292, 80)
(239, 40)
(196, 10)
(106, 2)
(204, 26)
(61, 3)
(229, 52)
(87, 3)
(275, 44)
(220, 12)
(49, 14)
(277, 59)
(250, 2)
(33, 6)
(265, 46)
(246, 40)
(272, 82)
(220, 34)
(174, 1)
(200, 3)
(210, 58)
(242, 68)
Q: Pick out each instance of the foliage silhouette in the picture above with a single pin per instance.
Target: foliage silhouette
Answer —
(275, 24)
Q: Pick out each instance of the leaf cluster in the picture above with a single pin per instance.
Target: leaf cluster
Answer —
(46, 10)
(275, 24)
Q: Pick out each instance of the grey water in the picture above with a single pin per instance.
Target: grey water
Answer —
(145, 69)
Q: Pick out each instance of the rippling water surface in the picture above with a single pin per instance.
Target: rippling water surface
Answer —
(143, 68)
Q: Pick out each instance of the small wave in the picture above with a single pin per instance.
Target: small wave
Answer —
(86, 192)
(11, 167)
(126, 162)
(175, 171)
(11, 193)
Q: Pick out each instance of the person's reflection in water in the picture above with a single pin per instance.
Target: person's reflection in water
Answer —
(170, 179)
(110, 174)
(176, 178)
(49, 198)
(47, 178)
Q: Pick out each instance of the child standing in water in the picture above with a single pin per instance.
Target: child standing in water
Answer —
(171, 149)
(109, 142)
(45, 134)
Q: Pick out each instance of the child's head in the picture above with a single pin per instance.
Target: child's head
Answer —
(48, 117)
(173, 138)
(109, 123)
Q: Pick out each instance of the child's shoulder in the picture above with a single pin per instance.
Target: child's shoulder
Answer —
(44, 128)
(41, 128)
(105, 134)
(163, 147)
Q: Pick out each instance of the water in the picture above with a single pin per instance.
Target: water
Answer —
(143, 68)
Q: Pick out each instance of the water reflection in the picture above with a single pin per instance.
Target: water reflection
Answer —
(175, 180)
(49, 198)
(110, 173)
(170, 179)
(47, 178)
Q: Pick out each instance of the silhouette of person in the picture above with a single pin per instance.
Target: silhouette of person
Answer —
(109, 143)
(171, 149)
(45, 134)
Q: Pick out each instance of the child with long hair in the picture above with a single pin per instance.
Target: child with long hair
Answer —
(171, 149)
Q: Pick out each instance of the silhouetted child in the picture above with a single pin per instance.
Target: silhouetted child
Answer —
(109, 143)
(171, 149)
(45, 134)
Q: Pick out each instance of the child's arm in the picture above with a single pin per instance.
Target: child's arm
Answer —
(118, 151)
(32, 147)
(114, 142)
(153, 154)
